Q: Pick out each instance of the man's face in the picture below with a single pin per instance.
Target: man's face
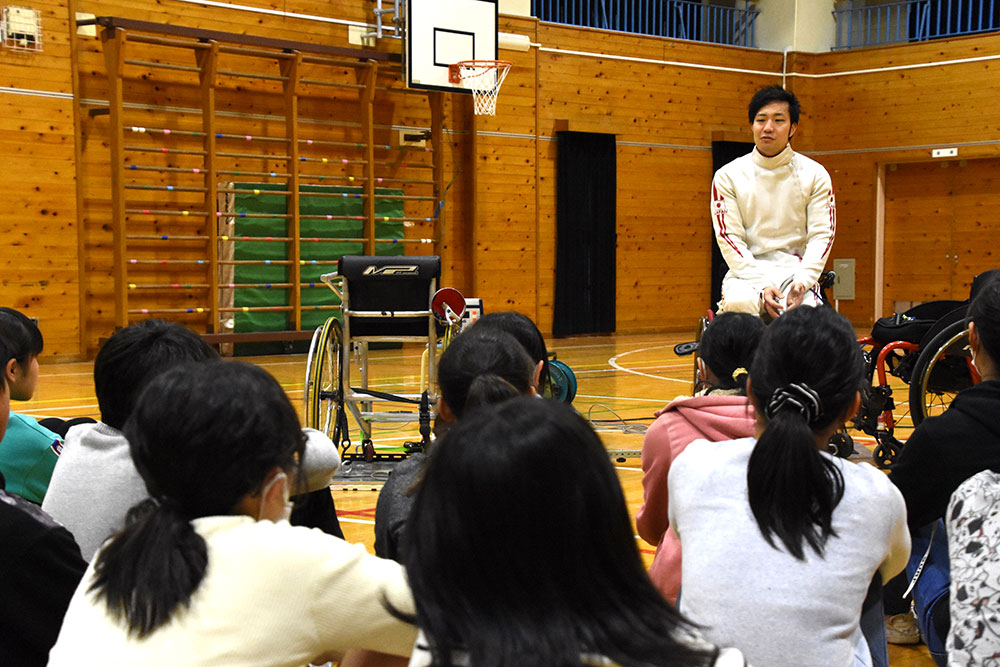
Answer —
(772, 128)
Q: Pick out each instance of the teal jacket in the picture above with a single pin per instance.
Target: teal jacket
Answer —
(28, 453)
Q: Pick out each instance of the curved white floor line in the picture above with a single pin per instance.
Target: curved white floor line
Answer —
(613, 362)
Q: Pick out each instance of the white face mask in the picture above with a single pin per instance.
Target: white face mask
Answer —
(287, 511)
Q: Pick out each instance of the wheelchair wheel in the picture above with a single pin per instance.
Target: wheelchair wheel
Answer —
(562, 381)
(703, 323)
(942, 370)
(324, 380)
(841, 444)
(886, 450)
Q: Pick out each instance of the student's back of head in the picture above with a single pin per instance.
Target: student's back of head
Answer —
(527, 334)
(22, 336)
(203, 436)
(520, 549)
(804, 380)
(727, 348)
(483, 366)
(135, 355)
(984, 312)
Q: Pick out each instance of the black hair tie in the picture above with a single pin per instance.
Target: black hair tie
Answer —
(797, 396)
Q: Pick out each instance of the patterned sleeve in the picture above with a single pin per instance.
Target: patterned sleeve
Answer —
(973, 527)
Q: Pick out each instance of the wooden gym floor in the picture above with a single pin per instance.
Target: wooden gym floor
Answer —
(622, 380)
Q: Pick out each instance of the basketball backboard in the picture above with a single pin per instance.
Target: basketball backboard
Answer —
(443, 32)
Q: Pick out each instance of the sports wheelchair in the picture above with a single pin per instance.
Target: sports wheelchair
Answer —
(383, 300)
(927, 348)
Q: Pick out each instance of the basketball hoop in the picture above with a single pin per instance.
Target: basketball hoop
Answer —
(483, 78)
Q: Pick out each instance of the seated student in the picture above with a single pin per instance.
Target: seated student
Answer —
(41, 568)
(781, 540)
(28, 451)
(96, 482)
(946, 450)
(208, 571)
(520, 551)
(973, 527)
(480, 366)
(527, 334)
(719, 411)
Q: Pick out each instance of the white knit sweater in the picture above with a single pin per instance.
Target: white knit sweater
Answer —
(775, 217)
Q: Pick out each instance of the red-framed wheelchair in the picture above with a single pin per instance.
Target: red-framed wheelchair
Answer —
(926, 347)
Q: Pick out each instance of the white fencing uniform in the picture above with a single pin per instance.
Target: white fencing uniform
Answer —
(775, 219)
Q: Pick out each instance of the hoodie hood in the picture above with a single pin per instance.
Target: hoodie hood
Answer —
(712, 417)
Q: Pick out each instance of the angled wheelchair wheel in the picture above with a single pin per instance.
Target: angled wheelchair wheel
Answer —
(943, 368)
(562, 380)
(841, 444)
(324, 380)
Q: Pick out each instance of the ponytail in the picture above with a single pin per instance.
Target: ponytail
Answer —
(805, 374)
(792, 488)
(236, 426)
(489, 389)
(151, 568)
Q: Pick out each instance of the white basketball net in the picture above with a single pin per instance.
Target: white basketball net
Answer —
(484, 78)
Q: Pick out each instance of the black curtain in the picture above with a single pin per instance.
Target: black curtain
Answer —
(723, 152)
(586, 235)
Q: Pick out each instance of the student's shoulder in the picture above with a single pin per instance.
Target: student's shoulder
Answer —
(867, 478)
(703, 455)
(25, 426)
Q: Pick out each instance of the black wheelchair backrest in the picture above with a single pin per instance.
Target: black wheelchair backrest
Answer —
(913, 325)
(389, 285)
(362, 267)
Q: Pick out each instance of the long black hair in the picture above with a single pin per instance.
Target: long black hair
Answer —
(520, 550)
(727, 348)
(203, 436)
(804, 376)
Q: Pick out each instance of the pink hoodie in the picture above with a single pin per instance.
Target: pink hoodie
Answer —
(684, 420)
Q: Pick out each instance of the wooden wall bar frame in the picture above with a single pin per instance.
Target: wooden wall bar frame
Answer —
(113, 45)
(208, 60)
(436, 101)
(290, 70)
(207, 45)
(367, 99)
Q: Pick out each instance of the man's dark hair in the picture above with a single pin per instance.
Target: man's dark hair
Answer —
(769, 94)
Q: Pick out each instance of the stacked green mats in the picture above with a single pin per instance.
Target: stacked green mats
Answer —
(349, 204)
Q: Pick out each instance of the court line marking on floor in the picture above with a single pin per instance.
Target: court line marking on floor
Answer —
(664, 401)
(347, 519)
(613, 361)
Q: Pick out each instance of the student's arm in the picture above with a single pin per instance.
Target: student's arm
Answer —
(651, 520)
(899, 537)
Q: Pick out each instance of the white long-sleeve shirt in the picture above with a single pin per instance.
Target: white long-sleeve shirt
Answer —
(273, 595)
(775, 218)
